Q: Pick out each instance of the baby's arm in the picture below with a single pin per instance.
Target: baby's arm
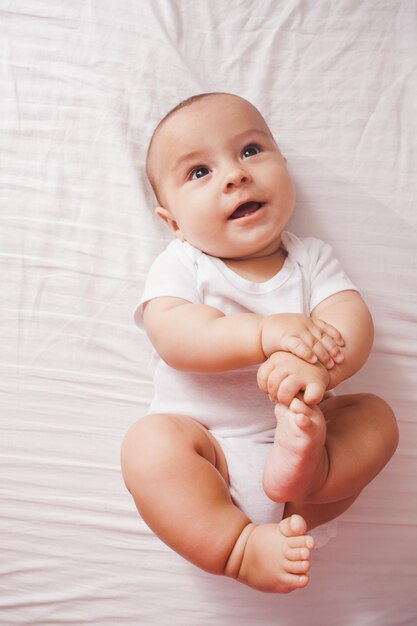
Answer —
(198, 337)
(348, 312)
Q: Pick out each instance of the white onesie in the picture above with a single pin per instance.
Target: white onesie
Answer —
(230, 404)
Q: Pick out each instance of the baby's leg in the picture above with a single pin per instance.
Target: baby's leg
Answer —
(360, 436)
(177, 474)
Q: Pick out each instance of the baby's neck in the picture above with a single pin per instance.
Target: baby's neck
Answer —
(258, 269)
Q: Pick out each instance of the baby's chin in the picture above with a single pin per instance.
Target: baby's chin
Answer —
(239, 251)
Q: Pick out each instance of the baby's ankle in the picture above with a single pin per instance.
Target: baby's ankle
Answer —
(235, 560)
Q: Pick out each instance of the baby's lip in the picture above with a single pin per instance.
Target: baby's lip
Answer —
(245, 209)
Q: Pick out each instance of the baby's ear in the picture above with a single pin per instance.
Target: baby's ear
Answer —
(166, 217)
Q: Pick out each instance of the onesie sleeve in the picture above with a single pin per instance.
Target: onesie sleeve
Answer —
(173, 273)
(327, 276)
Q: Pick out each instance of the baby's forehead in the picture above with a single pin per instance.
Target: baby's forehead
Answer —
(196, 114)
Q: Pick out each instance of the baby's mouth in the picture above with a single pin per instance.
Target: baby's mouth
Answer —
(245, 209)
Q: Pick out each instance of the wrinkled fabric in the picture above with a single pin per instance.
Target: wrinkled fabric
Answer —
(83, 84)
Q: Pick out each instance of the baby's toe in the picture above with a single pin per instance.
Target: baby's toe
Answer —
(302, 541)
(293, 526)
(298, 567)
(298, 406)
(294, 581)
(297, 554)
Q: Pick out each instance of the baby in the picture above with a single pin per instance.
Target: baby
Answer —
(242, 313)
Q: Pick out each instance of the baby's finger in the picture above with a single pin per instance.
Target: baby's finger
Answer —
(263, 374)
(274, 382)
(331, 331)
(296, 345)
(329, 345)
(288, 389)
(322, 354)
(325, 347)
(314, 393)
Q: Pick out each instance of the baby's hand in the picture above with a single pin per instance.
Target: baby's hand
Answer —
(283, 376)
(310, 340)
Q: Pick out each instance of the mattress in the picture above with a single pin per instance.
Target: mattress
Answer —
(83, 84)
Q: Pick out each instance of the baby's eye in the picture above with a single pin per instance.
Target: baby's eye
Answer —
(198, 172)
(250, 150)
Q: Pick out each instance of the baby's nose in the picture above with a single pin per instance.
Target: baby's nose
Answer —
(236, 177)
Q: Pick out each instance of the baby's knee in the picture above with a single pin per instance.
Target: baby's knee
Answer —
(385, 418)
(155, 442)
(390, 422)
(379, 407)
(140, 451)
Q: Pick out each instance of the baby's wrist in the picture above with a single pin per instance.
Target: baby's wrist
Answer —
(249, 328)
(270, 337)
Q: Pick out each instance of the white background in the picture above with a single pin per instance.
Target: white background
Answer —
(82, 84)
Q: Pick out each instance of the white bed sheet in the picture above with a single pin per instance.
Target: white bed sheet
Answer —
(82, 85)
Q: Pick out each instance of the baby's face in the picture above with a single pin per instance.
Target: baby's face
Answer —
(221, 178)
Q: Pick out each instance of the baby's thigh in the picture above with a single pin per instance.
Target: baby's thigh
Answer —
(167, 439)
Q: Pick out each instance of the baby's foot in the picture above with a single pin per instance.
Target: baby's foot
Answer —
(297, 465)
(276, 557)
